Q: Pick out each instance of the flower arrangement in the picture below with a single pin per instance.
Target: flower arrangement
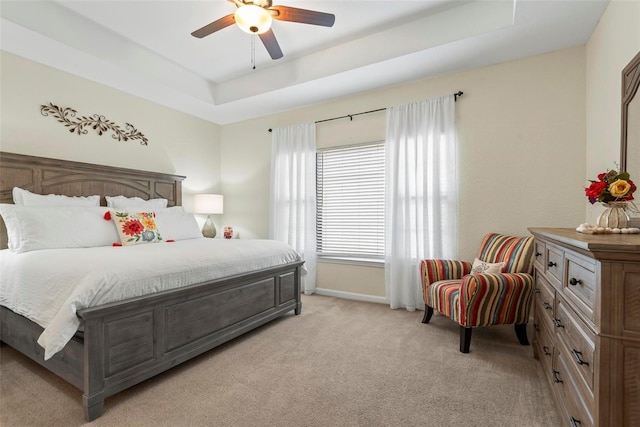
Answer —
(611, 186)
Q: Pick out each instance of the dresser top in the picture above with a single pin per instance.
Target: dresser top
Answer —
(594, 243)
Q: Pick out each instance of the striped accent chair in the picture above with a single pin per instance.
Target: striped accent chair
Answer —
(474, 300)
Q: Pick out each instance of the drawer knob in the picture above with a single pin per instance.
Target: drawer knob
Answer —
(573, 281)
(546, 350)
(558, 323)
(578, 356)
(538, 254)
(575, 423)
(547, 306)
(556, 376)
(536, 327)
(552, 264)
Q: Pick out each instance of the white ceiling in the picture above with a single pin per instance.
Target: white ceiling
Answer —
(145, 47)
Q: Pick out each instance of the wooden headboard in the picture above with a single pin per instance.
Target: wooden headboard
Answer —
(51, 176)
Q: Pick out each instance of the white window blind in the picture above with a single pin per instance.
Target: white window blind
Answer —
(350, 201)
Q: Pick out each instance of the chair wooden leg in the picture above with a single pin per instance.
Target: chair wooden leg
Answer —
(521, 333)
(465, 339)
(428, 312)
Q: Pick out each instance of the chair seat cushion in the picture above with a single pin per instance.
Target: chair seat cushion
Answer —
(444, 297)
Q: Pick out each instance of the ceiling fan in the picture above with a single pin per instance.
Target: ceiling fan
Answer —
(255, 16)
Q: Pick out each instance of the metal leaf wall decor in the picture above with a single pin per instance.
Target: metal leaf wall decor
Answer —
(100, 124)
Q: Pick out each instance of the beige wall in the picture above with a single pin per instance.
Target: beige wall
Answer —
(615, 41)
(178, 143)
(521, 131)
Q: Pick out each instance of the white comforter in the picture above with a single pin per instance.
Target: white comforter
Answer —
(50, 286)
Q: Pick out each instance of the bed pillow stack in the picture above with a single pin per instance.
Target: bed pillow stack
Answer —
(170, 224)
(32, 228)
(55, 221)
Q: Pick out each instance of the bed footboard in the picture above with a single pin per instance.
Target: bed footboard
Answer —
(133, 340)
(125, 344)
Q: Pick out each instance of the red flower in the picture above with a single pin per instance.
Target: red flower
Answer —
(132, 227)
(633, 189)
(594, 190)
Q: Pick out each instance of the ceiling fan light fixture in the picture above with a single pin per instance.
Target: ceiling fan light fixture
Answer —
(253, 19)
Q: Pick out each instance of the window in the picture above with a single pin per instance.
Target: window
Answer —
(350, 201)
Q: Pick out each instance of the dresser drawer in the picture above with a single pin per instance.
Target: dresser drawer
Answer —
(579, 341)
(578, 402)
(543, 338)
(544, 299)
(580, 286)
(554, 266)
(539, 253)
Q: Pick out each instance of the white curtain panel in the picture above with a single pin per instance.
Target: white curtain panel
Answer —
(293, 194)
(421, 194)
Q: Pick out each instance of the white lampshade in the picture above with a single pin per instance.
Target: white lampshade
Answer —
(253, 19)
(208, 204)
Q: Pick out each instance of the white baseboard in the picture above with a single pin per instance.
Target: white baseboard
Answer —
(351, 295)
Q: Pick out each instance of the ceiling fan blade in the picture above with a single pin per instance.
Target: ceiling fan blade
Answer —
(217, 25)
(271, 44)
(304, 16)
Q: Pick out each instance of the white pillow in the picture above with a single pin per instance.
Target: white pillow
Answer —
(59, 227)
(8, 213)
(172, 209)
(480, 267)
(177, 225)
(122, 202)
(23, 197)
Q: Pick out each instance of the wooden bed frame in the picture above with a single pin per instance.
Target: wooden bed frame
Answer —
(127, 342)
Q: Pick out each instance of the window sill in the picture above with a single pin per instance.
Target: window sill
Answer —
(366, 262)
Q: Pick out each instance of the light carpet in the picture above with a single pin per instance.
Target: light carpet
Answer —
(339, 363)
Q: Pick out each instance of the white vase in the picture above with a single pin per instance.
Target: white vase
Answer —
(614, 215)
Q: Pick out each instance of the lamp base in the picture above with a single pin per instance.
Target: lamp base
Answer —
(209, 229)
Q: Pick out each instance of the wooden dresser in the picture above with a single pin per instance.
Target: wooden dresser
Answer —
(587, 324)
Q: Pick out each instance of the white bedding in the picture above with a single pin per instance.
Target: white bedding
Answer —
(49, 286)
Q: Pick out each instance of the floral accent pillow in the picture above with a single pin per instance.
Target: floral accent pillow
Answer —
(480, 267)
(136, 228)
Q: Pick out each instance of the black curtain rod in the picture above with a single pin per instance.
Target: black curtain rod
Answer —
(351, 116)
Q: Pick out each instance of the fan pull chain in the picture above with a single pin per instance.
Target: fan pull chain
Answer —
(253, 51)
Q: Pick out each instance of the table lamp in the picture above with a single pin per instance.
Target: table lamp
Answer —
(209, 204)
